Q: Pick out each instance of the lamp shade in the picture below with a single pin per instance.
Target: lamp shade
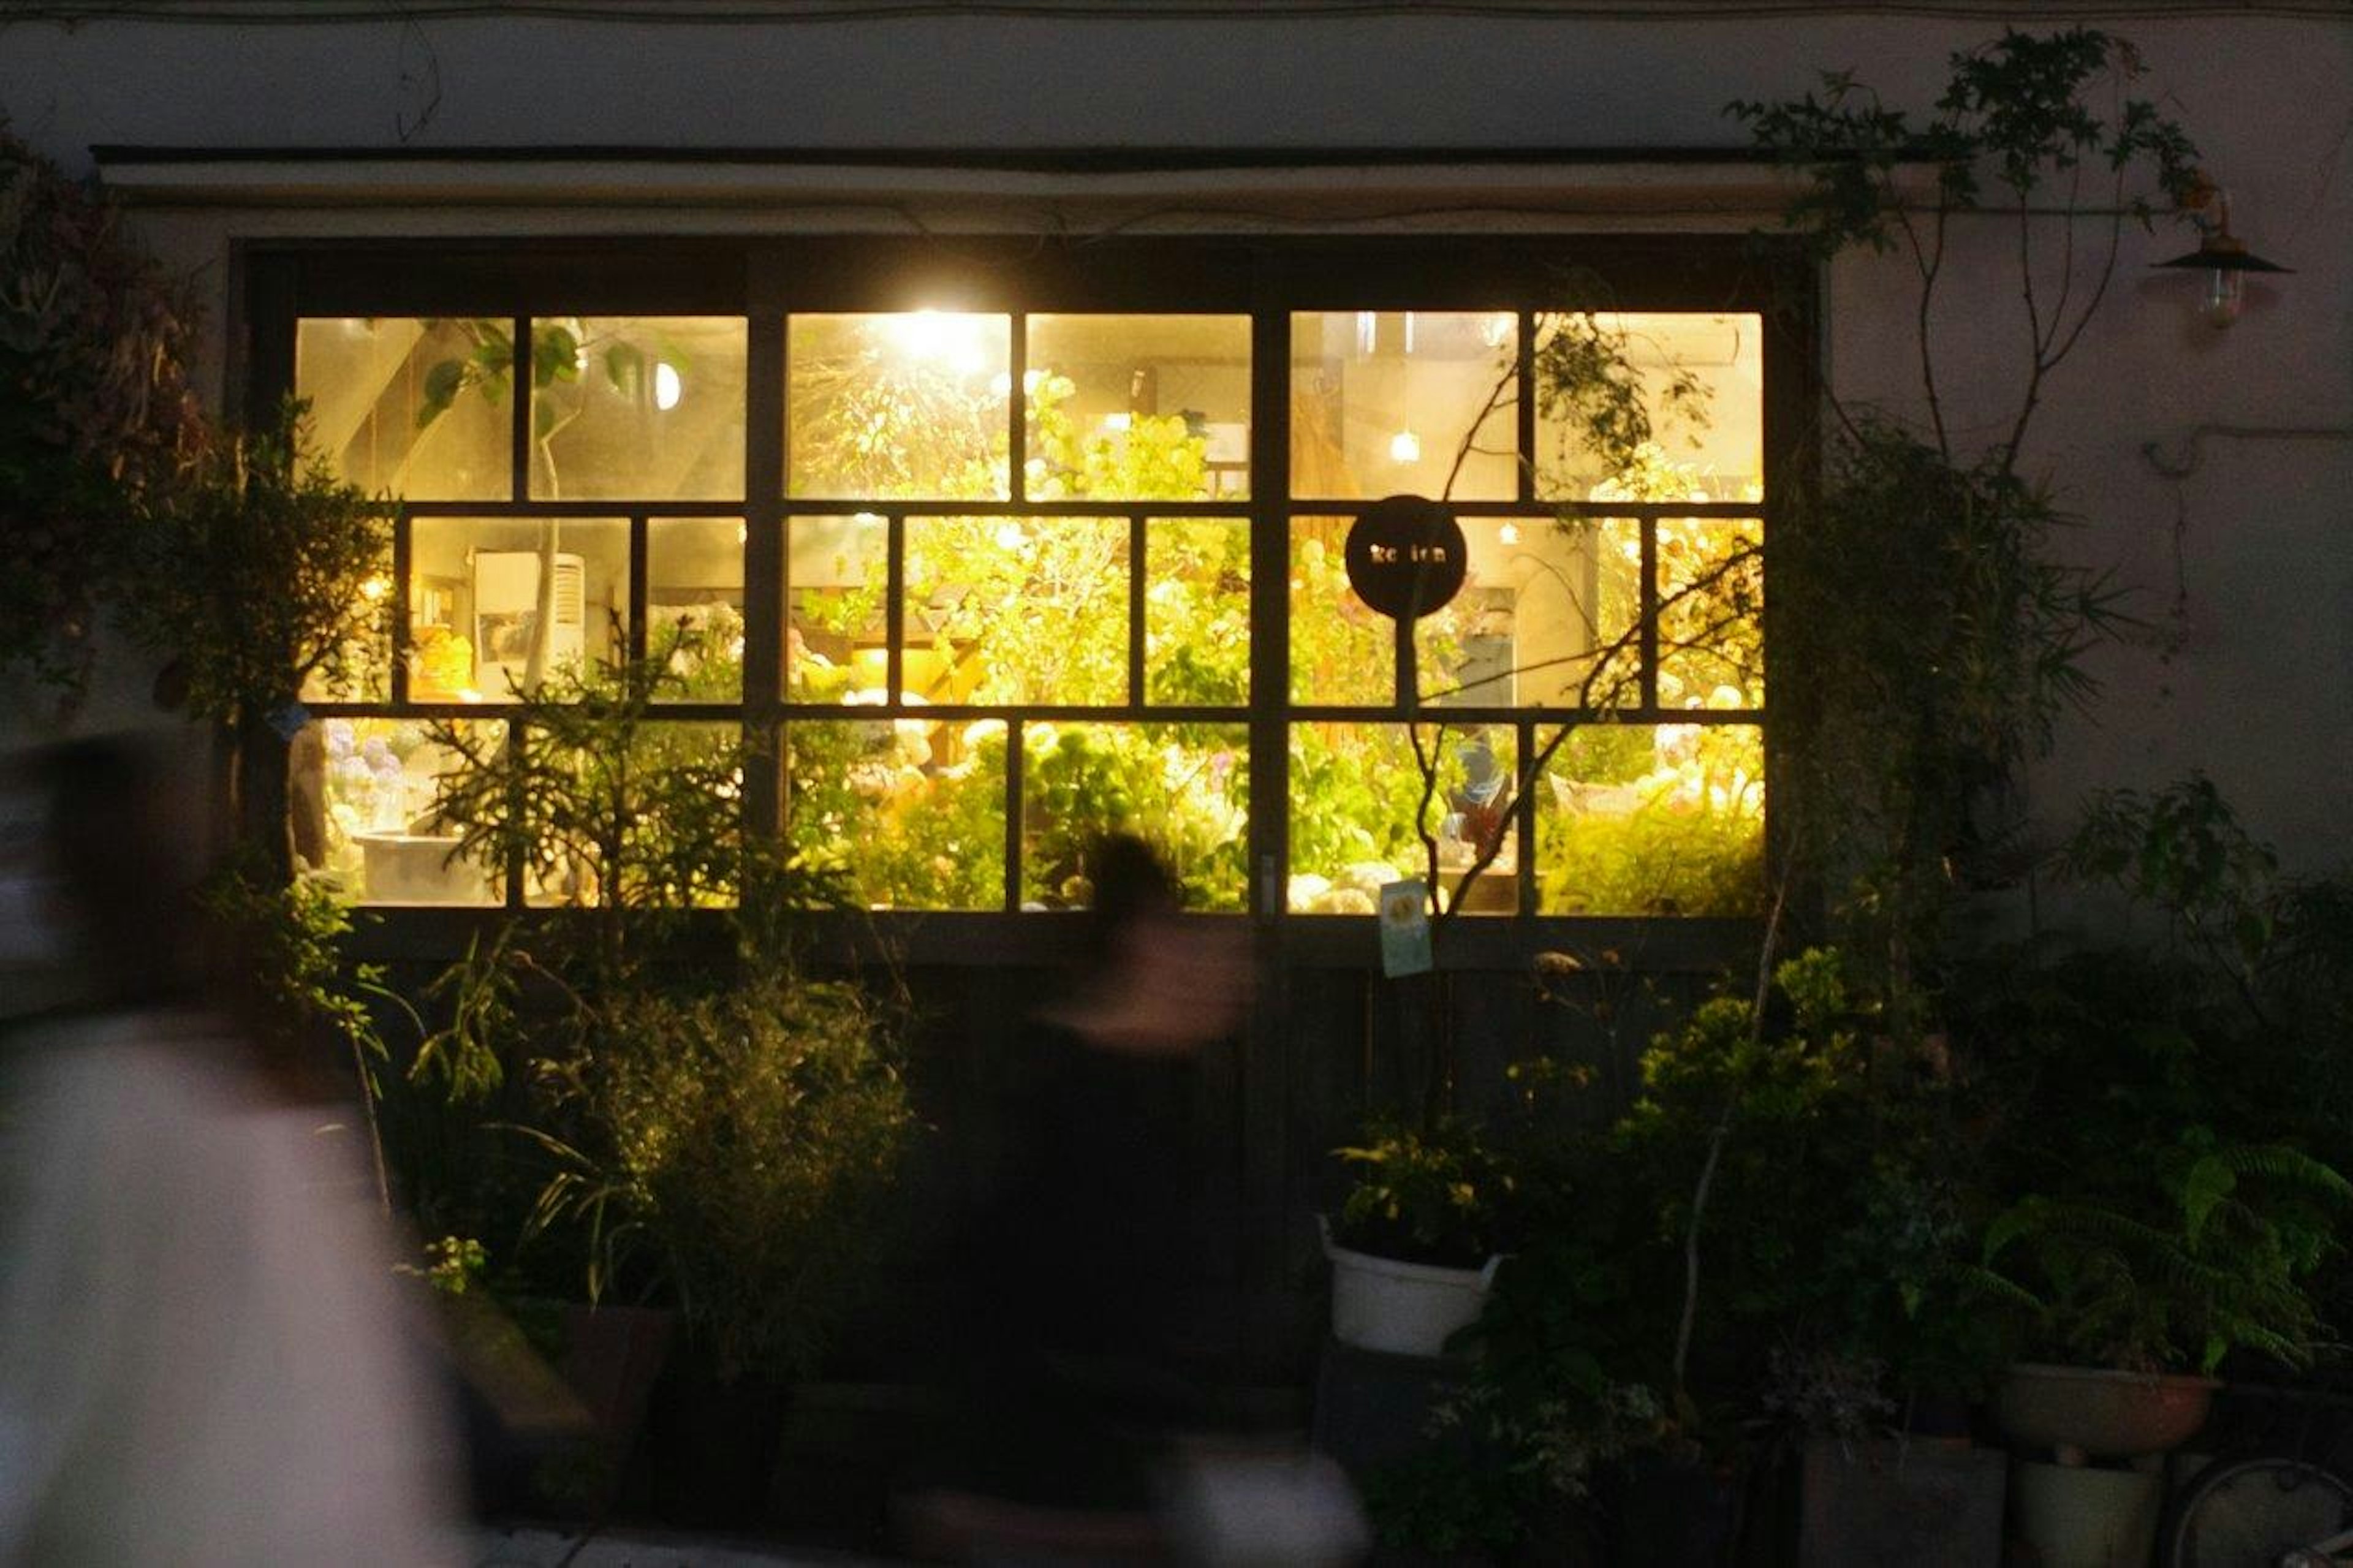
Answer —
(2223, 253)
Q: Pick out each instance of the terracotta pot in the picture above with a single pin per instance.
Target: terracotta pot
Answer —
(2079, 1410)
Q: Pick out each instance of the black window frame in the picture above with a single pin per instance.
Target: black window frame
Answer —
(764, 279)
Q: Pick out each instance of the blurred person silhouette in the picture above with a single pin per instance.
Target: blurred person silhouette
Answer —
(1086, 1346)
(202, 1353)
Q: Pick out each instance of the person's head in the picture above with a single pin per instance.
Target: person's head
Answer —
(1133, 892)
(1169, 981)
(124, 847)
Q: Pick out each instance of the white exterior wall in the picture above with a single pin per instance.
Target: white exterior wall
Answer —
(2259, 690)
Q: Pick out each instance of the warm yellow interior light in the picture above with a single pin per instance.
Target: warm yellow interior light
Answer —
(1405, 447)
(667, 388)
(942, 337)
(375, 588)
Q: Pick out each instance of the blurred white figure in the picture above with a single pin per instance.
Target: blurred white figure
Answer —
(202, 1359)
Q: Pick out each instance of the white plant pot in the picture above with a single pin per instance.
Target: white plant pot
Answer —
(1402, 1309)
(2076, 1517)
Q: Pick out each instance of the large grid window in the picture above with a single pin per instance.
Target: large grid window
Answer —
(1605, 652)
(571, 494)
(982, 583)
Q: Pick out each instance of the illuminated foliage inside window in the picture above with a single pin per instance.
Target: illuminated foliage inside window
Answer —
(1018, 600)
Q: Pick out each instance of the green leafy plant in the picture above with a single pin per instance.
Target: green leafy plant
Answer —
(2166, 1118)
(605, 804)
(251, 574)
(1939, 635)
(298, 991)
(718, 1126)
(453, 1265)
(1438, 1196)
(740, 1147)
(97, 419)
(2232, 1234)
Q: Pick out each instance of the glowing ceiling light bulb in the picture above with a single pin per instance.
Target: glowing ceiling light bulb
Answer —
(947, 338)
(1405, 447)
(667, 388)
(1509, 533)
(375, 588)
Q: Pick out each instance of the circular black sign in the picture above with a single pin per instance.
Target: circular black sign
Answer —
(1407, 556)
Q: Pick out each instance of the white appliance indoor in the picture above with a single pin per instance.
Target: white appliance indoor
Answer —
(506, 613)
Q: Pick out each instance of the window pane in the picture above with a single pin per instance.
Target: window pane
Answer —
(414, 408)
(362, 794)
(1017, 610)
(1196, 611)
(475, 601)
(1547, 618)
(1667, 819)
(1183, 788)
(1711, 613)
(694, 607)
(647, 407)
(911, 810)
(1697, 382)
(1355, 793)
(837, 573)
(362, 670)
(1382, 402)
(673, 801)
(889, 407)
(1342, 651)
(1138, 407)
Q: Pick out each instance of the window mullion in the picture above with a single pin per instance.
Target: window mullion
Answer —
(1523, 821)
(1649, 612)
(634, 634)
(1270, 620)
(894, 611)
(1014, 769)
(1139, 547)
(1524, 408)
(765, 566)
(403, 565)
(523, 413)
(1016, 408)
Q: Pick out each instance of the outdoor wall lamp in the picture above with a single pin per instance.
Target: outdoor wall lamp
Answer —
(2223, 255)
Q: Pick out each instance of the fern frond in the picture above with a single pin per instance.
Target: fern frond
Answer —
(2289, 1167)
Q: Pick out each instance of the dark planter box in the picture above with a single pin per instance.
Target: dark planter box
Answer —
(713, 1447)
(1673, 1513)
(1889, 1505)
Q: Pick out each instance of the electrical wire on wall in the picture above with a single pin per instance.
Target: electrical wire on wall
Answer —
(737, 13)
(2176, 462)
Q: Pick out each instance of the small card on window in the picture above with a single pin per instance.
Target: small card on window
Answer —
(1405, 928)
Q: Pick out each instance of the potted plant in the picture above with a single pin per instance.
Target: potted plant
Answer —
(720, 1126)
(1414, 1253)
